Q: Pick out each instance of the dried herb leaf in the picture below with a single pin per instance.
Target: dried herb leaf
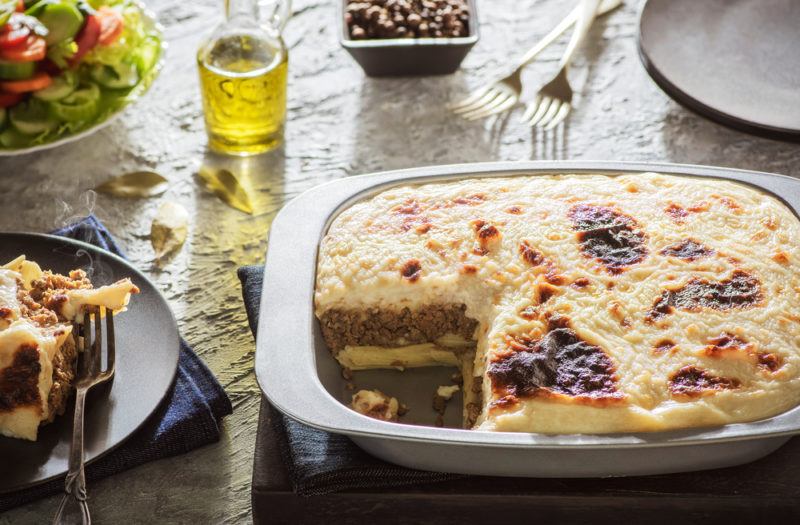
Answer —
(169, 229)
(226, 186)
(135, 185)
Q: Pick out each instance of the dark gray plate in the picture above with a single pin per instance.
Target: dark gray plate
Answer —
(734, 61)
(146, 361)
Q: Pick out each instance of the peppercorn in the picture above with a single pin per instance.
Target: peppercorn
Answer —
(407, 18)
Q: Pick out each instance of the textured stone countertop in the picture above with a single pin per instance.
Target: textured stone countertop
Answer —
(340, 123)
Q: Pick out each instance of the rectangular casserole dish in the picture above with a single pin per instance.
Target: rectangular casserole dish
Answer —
(301, 379)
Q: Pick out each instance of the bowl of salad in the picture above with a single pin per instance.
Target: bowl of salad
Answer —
(67, 67)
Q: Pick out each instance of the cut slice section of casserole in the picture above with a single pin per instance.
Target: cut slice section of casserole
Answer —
(37, 346)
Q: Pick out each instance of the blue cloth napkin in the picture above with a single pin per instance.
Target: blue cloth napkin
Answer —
(319, 462)
(188, 418)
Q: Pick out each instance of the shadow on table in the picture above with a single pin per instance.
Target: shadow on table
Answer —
(405, 122)
(554, 144)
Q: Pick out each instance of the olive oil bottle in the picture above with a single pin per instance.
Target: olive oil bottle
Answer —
(243, 76)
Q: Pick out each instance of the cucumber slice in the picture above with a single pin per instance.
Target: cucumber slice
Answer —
(11, 138)
(78, 105)
(32, 118)
(16, 70)
(118, 76)
(62, 20)
(62, 86)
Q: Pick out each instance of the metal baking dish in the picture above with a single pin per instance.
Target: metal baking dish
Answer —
(392, 57)
(301, 378)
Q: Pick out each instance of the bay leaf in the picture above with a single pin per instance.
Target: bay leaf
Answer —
(135, 185)
(227, 187)
(169, 229)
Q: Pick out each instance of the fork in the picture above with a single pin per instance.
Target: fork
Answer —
(90, 374)
(503, 94)
(554, 101)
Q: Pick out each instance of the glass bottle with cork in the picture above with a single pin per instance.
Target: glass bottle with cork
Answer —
(243, 73)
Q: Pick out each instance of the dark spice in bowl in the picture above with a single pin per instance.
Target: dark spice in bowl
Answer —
(407, 19)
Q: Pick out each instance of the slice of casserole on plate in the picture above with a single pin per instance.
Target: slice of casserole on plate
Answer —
(37, 344)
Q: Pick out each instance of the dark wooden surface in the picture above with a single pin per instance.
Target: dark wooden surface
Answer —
(766, 491)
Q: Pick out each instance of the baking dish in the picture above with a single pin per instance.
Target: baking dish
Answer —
(301, 379)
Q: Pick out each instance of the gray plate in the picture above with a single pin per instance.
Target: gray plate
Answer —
(736, 62)
(290, 346)
(146, 361)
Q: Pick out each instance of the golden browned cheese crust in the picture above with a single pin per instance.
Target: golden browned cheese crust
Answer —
(636, 302)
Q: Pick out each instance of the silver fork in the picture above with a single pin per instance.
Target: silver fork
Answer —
(90, 373)
(554, 101)
(503, 94)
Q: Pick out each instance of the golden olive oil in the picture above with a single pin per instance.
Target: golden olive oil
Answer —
(243, 84)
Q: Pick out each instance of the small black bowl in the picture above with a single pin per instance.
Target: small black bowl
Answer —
(393, 57)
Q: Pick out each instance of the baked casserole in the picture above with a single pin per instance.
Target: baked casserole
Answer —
(574, 303)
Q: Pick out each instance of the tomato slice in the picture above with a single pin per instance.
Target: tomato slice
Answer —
(21, 6)
(111, 25)
(86, 39)
(38, 81)
(10, 99)
(32, 49)
(13, 34)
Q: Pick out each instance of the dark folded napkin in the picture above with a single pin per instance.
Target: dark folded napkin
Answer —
(188, 418)
(319, 462)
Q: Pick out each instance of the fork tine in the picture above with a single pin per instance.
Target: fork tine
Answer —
(540, 111)
(487, 98)
(508, 104)
(472, 97)
(488, 109)
(560, 116)
(551, 112)
(531, 109)
(97, 344)
(110, 341)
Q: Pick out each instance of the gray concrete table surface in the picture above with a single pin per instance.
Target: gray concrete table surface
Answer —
(340, 123)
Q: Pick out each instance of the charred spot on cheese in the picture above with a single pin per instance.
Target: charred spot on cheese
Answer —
(730, 342)
(529, 312)
(5, 312)
(469, 269)
(19, 383)
(486, 234)
(560, 363)
(411, 212)
(664, 346)
(781, 258)
(610, 237)
(530, 254)
(546, 291)
(731, 204)
(465, 200)
(676, 212)
(768, 361)
(688, 250)
(725, 342)
(741, 290)
(514, 210)
(691, 381)
(580, 283)
(470, 200)
(411, 270)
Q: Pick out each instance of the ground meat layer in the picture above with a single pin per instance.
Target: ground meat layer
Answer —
(63, 376)
(382, 327)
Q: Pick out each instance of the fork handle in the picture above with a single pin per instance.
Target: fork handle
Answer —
(75, 484)
(586, 15)
(569, 20)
